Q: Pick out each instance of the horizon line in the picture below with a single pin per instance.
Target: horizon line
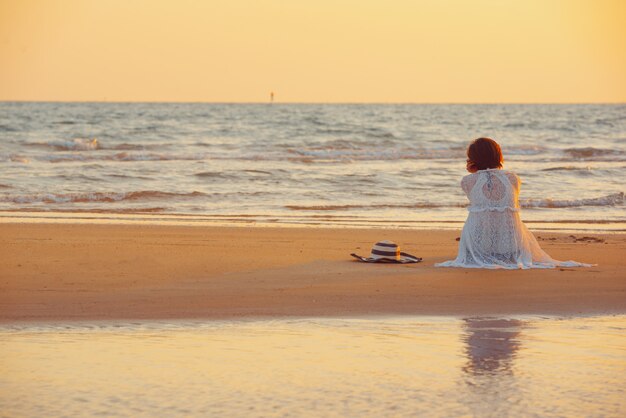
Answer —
(306, 103)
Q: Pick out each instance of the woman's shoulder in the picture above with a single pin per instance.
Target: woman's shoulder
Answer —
(468, 182)
(469, 177)
(492, 170)
(513, 178)
(509, 173)
(472, 177)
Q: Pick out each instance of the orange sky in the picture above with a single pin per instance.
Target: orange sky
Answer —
(314, 51)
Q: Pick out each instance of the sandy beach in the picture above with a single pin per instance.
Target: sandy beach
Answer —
(64, 272)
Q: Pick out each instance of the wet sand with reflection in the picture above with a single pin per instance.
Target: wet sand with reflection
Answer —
(385, 366)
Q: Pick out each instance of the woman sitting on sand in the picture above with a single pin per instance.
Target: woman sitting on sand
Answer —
(494, 235)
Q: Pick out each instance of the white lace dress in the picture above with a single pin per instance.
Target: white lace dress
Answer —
(494, 236)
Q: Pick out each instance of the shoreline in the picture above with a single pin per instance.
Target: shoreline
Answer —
(139, 218)
(94, 272)
(200, 322)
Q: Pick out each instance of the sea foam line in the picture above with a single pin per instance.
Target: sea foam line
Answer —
(615, 199)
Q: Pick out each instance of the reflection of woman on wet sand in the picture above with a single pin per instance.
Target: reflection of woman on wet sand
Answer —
(491, 345)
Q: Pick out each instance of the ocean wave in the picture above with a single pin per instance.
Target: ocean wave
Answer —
(19, 159)
(370, 154)
(342, 151)
(127, 147)
(337, 144)
(567, 168)
(121, 156)
(609, 121)
(327, 130)
(323, 126)
(591, 152)
(387, 150)
(517, 125)
(83, 144)
(379, 133)
(78, 177)
(76, 144)
(337, 150)
(614, 199)
(127, 156)
(314, 120)
(14, 158)
(374, 206)
(259, 172)
(95, 197)
(129, 176)
(231, 174)
(213, 174)
(525, 150)
(50, 209)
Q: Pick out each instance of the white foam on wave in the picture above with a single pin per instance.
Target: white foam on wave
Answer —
(614, 199)
(76, 144)
(371, 154)
(97, 197)
(336, 150)
(568, 168)
(331, 207)
(591, 153)
(122, 157)
(14, 158)
(346, 151)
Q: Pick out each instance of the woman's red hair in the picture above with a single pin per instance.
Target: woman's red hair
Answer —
(484, 153)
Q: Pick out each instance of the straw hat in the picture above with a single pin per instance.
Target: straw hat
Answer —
(387, 252)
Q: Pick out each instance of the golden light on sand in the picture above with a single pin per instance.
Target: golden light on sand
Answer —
(322, 51)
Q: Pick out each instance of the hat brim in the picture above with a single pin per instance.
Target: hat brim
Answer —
(404, 259)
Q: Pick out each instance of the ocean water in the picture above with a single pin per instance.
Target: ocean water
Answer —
(306, 164)
(382, 367)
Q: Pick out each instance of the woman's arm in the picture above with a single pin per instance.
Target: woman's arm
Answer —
(467, 183)
(515, 180)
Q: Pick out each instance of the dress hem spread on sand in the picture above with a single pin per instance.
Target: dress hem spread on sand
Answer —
(494, 237)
